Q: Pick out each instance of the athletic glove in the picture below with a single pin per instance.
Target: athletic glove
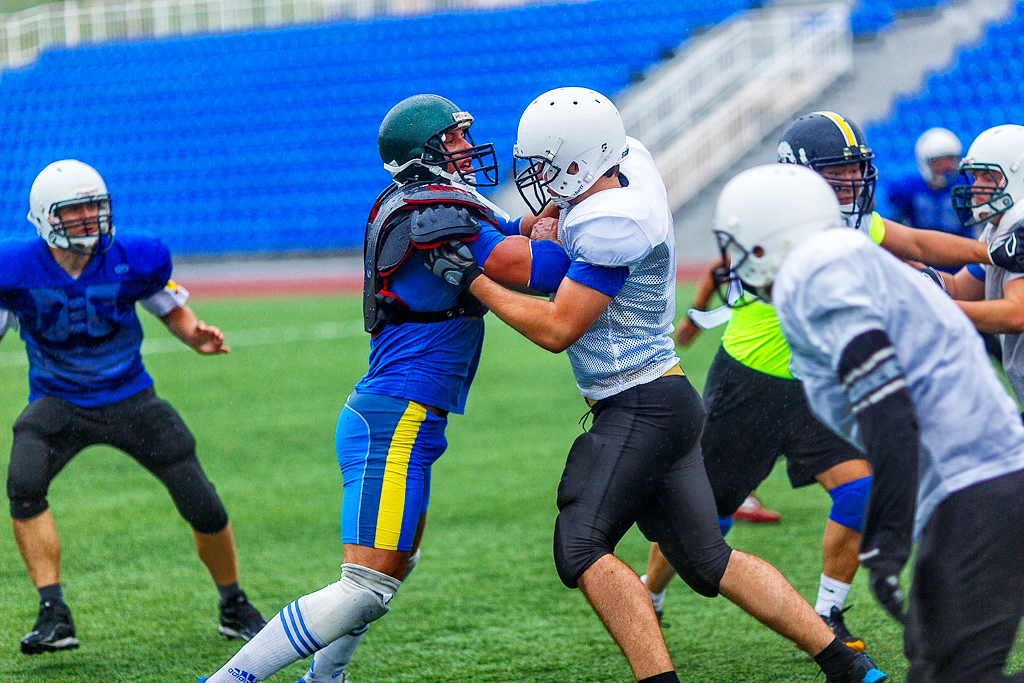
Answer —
(453, 262)
(934, 276)
(884, 579)
(1008, 251)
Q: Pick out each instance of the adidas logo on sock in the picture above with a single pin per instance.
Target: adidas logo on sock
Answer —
(243, 676)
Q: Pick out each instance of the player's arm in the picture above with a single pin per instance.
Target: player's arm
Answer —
(183, 324)
(968, 284)
(517, 261)
(527, 222)
(877, 390)
(554, 325)
(687, 329)
(942, 249)
(1004, 315)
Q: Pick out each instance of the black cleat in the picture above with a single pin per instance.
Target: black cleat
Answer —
(239, 619)
(53, 630)
(838, 626)
(862, 670)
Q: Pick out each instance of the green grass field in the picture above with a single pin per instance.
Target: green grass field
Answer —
(485, 603)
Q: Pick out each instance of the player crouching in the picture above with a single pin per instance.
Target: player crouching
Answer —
(74, 295)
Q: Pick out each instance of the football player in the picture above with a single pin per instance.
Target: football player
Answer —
(992, 296)
(425, 346)
(74, 294)
(641, 460)
(923, 200)
(756, 409)
(889, 362)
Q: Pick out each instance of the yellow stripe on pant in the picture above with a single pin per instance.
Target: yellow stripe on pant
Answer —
(392, 493)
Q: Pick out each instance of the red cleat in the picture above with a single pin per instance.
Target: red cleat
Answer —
(752, 511)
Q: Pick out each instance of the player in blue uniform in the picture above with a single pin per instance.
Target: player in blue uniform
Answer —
(74, 294)
(427, 336)
(923, 201)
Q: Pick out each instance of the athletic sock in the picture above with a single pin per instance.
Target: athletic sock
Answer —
(667, 677)
(831, 593)
(658, 599)
(51, 592)
(835, 660)
(228, 592)
(330, 662)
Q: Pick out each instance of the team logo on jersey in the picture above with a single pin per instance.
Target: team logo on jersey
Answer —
(785, 153)
(121, 268)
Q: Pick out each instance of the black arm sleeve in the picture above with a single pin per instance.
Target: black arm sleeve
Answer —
(877, 390)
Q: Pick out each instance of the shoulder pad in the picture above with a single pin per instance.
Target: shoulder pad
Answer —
(144, 252)
(440, 193)
(396, 243)
(609, 241)
(433, 224)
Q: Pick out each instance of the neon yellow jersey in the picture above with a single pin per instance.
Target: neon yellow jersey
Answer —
(754, 336)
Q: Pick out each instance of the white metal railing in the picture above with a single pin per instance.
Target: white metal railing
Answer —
(74, 22)
(712, 103)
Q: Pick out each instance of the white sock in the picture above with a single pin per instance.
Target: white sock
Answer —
(310, 623)
(831, 593)
(330, 663)
(286, 638)
(657, 599)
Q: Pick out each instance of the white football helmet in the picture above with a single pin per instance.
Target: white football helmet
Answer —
(766, 211)
(64, 184)
(933, 144)
(562, 127)
(994, 162)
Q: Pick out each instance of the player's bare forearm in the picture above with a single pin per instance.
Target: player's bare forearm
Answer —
(999, 316)
(933, 247)
(963, 286)
(552, 325)
(183, 324)
(705, 288)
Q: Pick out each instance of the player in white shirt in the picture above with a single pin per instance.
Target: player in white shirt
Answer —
(641, 461)
(889, 363)
(993, 296)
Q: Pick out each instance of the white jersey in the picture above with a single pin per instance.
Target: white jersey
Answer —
(630, 343)
(995, 279)
(839, 285)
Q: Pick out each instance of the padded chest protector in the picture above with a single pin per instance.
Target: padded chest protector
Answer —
(419, 215)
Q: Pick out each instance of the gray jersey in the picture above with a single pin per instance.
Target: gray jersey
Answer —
(995, 279)
(630, 343)
(839, 285)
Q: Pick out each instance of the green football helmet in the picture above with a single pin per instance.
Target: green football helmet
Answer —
(411, 144)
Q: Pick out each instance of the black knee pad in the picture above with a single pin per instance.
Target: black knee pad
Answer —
(194, 496)
(574, 555)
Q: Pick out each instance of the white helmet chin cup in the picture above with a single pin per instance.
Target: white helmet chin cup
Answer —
(766, 211)
(65, 183)
(563, 127)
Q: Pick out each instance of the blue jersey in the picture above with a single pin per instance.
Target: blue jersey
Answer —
(82, 335)
(917, 204)
(431, 363)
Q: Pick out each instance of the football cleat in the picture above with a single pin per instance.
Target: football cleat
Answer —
(838, 625)
(53, 630)
(239, 619)
(861, 670)
(753, 511)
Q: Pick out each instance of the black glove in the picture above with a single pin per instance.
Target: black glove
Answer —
(934, 276)
(884, 578)
(453, 262)
(1008, 251)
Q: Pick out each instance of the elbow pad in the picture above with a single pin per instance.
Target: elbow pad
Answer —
(548, 266)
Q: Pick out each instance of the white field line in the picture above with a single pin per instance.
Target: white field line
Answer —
(234, 339)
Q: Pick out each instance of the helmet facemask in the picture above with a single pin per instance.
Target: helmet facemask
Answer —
(860, 192)
(976, 204)
(484, 162)
(83, 235)
(728, 283)
(539, 172)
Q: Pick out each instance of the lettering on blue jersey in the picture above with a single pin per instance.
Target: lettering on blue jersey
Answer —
(93, 314)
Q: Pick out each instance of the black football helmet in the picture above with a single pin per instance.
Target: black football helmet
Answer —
(825, 141)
